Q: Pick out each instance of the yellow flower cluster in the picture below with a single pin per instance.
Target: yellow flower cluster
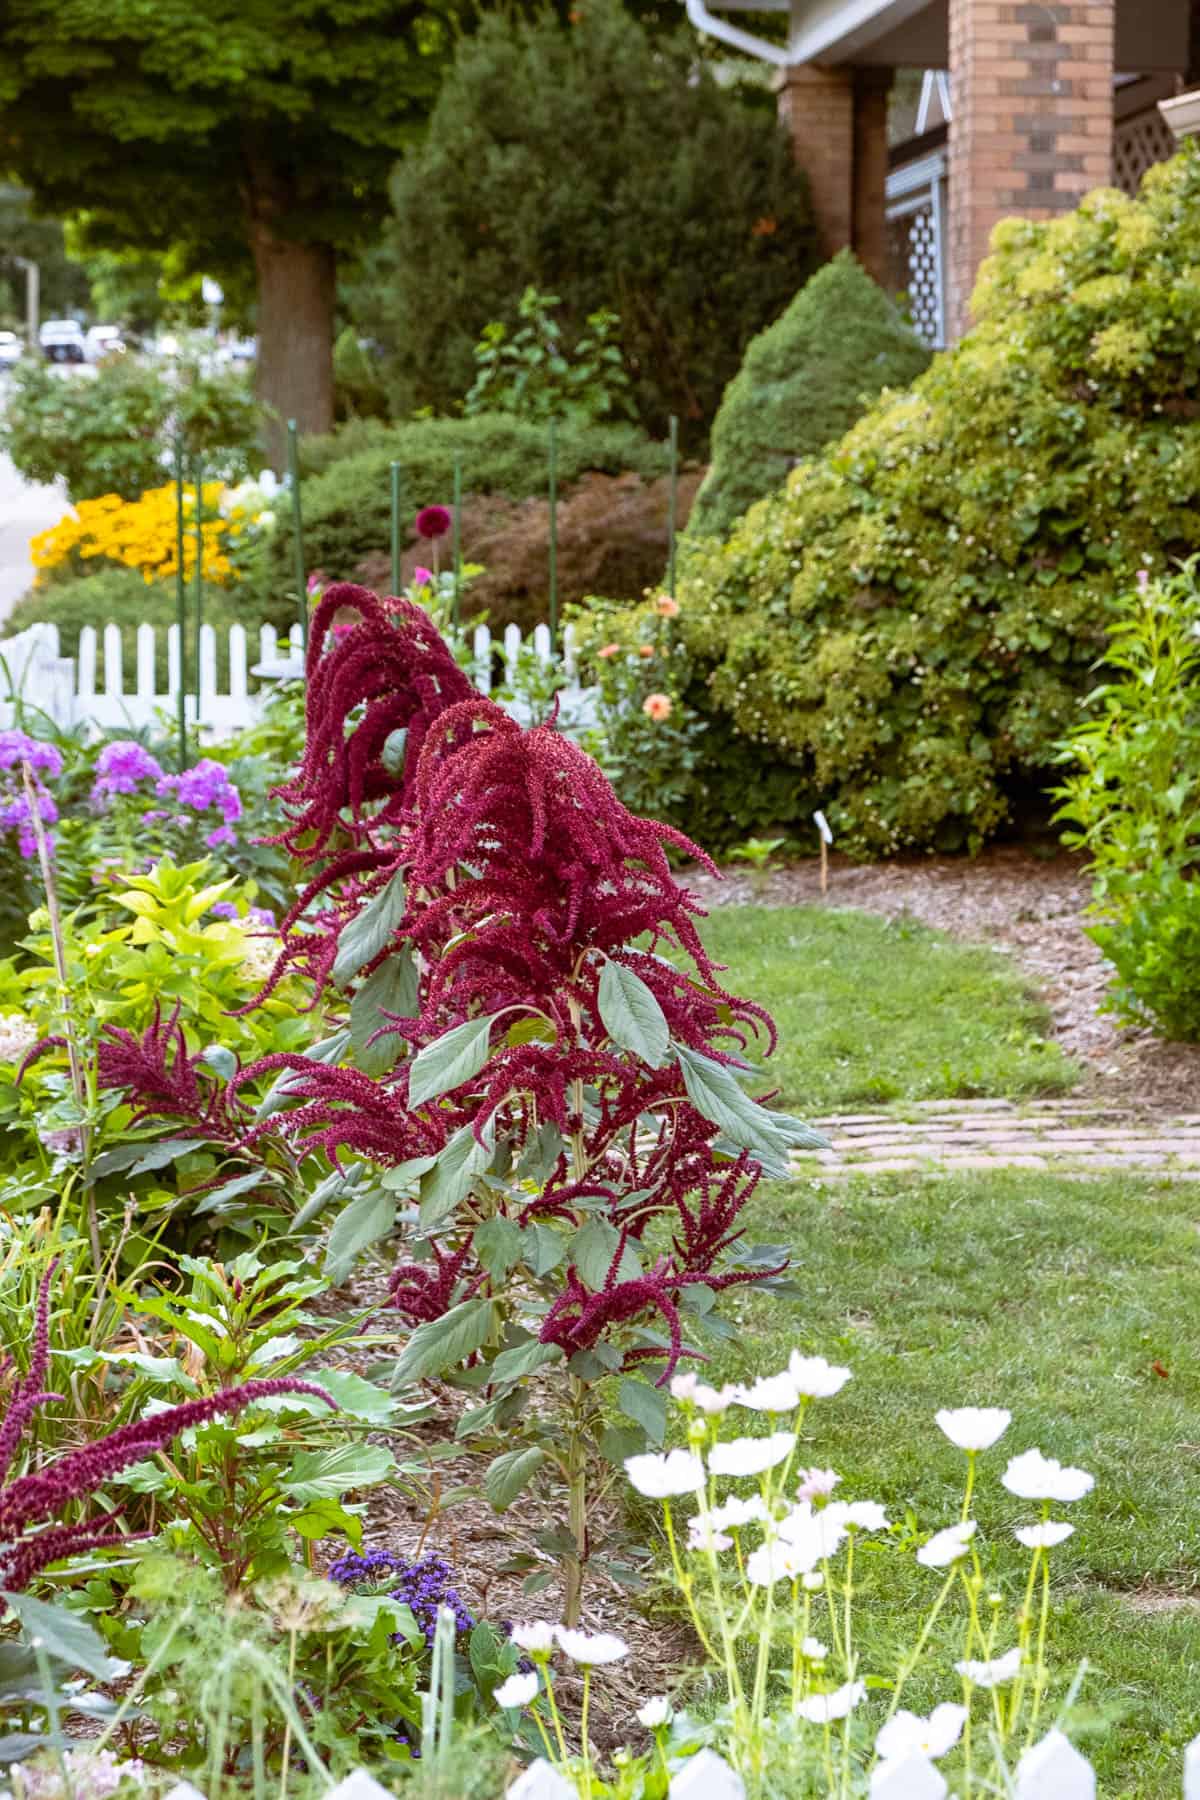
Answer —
(141, 534)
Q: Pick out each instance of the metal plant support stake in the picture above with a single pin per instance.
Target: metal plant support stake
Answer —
(673, 485)
(293, 463)
(180, 605)
(199, 576)
(456, 540)
(395, 528)
(553, 450)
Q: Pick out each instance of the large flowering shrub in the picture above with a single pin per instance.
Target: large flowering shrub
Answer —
(141, 534)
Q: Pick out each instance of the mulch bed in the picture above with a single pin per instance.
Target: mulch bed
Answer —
(1027, 906)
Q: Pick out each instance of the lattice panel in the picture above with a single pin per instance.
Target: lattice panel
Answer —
(1139, 143)
(914, 254)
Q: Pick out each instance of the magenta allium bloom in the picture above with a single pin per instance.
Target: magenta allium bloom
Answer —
(433, 521)
(422, 577)
(39, 1498)
(120, 768)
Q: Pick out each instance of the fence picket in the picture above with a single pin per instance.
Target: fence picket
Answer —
(66, 687)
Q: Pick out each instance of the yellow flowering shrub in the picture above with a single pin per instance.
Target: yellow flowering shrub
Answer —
(141, 534)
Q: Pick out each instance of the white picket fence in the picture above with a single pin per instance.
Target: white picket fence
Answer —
(94, 688)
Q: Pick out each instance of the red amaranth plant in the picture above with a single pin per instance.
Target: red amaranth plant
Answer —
(549, 1064)
(41, 1497)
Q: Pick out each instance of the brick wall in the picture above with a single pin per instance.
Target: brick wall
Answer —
(837, 121)
(1033, 120)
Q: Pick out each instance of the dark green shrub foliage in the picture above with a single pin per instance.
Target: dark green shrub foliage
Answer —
(904, 633)
(347, 508)
(802, 383)
(608, 168)
(109, 435)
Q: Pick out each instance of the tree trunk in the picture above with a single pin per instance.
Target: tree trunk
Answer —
(296, 286)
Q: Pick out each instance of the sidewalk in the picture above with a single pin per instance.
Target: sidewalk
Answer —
(24, 511)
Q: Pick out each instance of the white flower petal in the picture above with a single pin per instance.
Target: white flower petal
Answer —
(1045, 1535)
(536, 1639)
(907, 1733)
(821, 1709)
(1032, 1476)
(991, 1674)
(769, 1394)
(663, 1477)
(656, 1712)
(946, 1547)
(815, 1378)
(518, 1690)
(974, 1427)
(749, 1456)
(593, 1649)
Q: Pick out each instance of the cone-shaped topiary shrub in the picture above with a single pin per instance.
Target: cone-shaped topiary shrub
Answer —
(804, 382)
(904, 633)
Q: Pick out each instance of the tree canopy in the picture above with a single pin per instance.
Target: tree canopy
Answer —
(262, 130)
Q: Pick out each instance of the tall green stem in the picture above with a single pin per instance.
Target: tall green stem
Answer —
(576, 1501)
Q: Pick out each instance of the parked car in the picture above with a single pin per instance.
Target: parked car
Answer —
(62, 341)
(12, 349)
(103, 341)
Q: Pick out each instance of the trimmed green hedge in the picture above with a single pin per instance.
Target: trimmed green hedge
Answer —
(803, 382)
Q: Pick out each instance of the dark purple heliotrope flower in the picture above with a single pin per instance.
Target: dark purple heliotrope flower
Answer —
(424, 1584)
(39, 1498)
(120, 768)
(433, 521)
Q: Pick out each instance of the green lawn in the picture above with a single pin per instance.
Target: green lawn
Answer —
(870, 1010)
(1062, 1299)
(1055, 1298)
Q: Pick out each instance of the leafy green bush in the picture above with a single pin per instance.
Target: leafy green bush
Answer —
(1133, 803)
(904, 634)
(628, 177)
(531, 371)
(347, 508)
(802, 383)
(109, 435)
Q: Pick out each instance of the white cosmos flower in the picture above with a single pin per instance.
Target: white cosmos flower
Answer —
(974, 1427)
(704, 1535)
(1033, 1476)
(907, 1733)
(518, 1690)
(661, 1477)
(536, 1639)
(690, 1389)
(815, 1378)
(749, 1456)
(592, 1649)
(859, 1515)
(991, 1674)
(945, 1547)
(816, 1484)
(813, 1650)
(656, 1712)
(821, 1709)
(1045, 1535)
(770, 1394)
(813, 1582)
(781, 1561)
(813, 1535)
(735, 1511)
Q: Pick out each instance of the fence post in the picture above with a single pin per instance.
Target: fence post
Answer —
(199, 577)
(457, 538)
(395, 528)
(553, 449)
(673, 485)
(180, 606)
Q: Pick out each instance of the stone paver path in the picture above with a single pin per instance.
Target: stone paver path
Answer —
(1068, 1137)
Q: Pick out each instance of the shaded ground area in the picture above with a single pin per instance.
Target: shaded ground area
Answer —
(1026, 906)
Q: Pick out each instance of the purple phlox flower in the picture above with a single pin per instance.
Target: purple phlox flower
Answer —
(44, 1495)
(17, 747)
(260, 915)
(433, 521)
(422, 576)
(425, 1584)
(120, 767)
(16, 816)
(154, 818)
(223, 909)
(222, 835)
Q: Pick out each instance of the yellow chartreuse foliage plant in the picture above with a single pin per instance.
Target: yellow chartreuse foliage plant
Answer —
(141, 534)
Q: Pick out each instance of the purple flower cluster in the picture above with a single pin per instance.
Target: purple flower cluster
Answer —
(207, 788)
(120, 767)
(256, 915)
(17, 747)
(425, 1584)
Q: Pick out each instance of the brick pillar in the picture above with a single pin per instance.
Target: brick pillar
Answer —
(871, 88)
(837, 121)
(1033, 120)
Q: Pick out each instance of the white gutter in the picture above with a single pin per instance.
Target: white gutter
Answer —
(734, 36)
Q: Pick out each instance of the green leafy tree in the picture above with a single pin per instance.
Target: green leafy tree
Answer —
(63, 284)
(263, 133)
(627, 177)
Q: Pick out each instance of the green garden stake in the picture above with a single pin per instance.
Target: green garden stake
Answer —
(293, 463)
(395, 528)
(553, 537)
(180, 605)
(674, 476)
(199, 575)
(457, 538)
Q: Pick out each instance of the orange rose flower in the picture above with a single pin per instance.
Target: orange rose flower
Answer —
(666, 606)
(646, 650)
(607, 650)
(657, 707)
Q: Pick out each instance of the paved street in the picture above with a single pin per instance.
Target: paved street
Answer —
(24, 510)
